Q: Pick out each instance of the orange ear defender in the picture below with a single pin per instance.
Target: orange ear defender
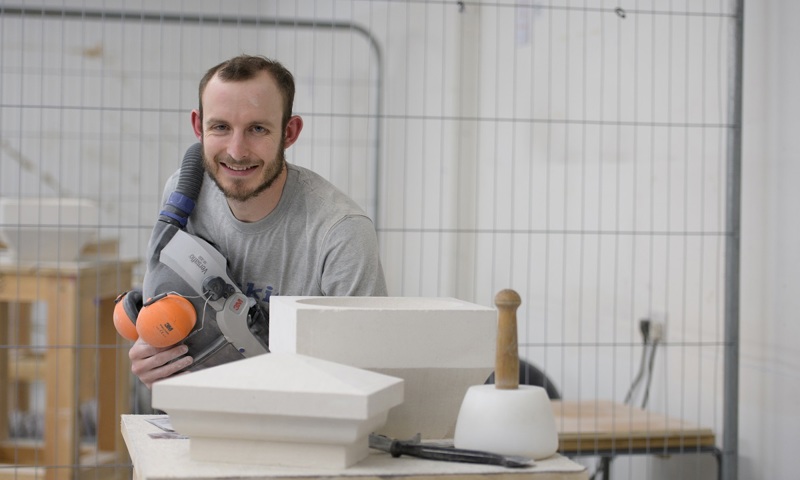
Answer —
(161, 321)
(126, 309)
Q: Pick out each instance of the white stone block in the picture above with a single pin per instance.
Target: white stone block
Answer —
(279, 409)
(47, 229)
(439, 346)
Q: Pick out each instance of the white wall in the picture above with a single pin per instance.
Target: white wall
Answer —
(770, 356)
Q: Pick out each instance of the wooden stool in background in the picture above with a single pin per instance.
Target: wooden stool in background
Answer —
(82, 359)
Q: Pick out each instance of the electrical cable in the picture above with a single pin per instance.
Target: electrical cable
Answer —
(638, 377)
(649, 372)
(644, 327)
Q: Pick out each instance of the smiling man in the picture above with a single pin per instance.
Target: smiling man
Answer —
(245, 124)
(283, 229)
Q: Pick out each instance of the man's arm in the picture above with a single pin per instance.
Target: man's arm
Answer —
(151, 363)
(351, 264)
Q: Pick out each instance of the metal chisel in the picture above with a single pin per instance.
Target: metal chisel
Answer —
(415, 448)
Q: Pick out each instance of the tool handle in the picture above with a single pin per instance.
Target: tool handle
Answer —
(506, 368)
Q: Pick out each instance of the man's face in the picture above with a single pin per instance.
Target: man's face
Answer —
(242, 136)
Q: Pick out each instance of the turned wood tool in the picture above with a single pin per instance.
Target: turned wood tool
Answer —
(506, 366)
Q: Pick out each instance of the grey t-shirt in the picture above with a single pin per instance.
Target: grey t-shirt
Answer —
(316, 242)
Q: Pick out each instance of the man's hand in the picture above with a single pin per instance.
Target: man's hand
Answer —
(150, 363)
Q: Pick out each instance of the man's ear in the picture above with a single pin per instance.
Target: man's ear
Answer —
(197, 124)
(293, 129)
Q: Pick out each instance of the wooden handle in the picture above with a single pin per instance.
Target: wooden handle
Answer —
(506, 365)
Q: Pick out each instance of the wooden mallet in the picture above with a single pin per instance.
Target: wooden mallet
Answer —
(506, 417)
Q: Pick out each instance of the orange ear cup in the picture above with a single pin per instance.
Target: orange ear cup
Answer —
(166, 321)
(123, 322)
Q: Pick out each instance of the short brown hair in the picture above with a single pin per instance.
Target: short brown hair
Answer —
(245, 67)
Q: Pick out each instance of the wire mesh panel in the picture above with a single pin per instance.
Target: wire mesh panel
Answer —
(583, 161)
(575, 151)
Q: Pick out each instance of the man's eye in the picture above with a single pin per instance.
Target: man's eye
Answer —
(218, 128)
(260, 130)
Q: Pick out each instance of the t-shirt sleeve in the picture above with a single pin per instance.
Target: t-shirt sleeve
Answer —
(350, 261)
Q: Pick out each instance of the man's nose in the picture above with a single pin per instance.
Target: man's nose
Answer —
(237, 147)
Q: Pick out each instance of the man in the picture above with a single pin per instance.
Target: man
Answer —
(283, 229)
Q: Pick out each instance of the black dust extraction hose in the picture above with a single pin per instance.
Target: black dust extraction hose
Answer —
(181, 202)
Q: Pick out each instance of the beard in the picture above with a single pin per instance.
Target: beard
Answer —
(238, 190)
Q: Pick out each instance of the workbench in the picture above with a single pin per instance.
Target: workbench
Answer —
(169, 458)
(606, 429)
(82, 359)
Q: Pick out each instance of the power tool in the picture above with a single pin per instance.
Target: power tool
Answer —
(187, 296)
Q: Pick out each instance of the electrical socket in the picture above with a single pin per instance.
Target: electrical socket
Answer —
(652, 327)
(658, 327)
(656, 332)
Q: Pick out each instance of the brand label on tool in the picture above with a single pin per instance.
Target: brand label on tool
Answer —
(237, 304)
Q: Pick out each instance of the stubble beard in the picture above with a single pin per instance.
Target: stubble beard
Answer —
(238, 191)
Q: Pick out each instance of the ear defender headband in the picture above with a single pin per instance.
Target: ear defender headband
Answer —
(161, 321)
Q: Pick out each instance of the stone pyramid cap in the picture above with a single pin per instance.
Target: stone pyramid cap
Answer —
(279, 409)
(283, 384)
